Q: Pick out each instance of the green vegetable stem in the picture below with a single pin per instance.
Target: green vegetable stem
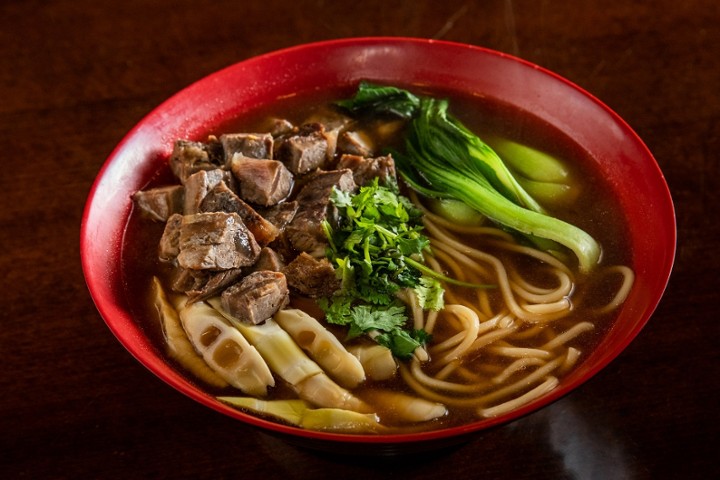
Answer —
(443, 159)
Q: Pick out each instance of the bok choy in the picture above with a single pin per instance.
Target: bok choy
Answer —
(444, 159)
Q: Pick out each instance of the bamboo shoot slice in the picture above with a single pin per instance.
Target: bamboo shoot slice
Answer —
(279, 350)
(290, 363)
(341, 421)
(225, 349)
(322, 346)
(321, 391)
(298, 413)
(177, 344)
(290, 411)
(377, 361)
(407, 408)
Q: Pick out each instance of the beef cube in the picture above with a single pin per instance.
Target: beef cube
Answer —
(305, 232)
(169, 247)
(331, 138)
(215, 150)
(256, 297)
(355, 143)
(365, 169)
(269, 260)
(160, 203)
(334, 123)
(278, 127)
(281, 214)
(222, 199)
(197, 187)
(318, 187)
(311, 276)
(214, 284)
(264, 182)
(305, 151)
(190, 157)
(184, 280)
(216, 241)
(251, 145)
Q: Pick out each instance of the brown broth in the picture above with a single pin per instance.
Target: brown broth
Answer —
(595, 211)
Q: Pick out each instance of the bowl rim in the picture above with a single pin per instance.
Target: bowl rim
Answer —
(97, 275)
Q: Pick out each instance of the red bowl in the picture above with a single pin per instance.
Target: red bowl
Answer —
(201, 108)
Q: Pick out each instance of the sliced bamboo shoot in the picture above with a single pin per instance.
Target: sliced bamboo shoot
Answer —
(322, 346)
(342, 421)
(297, 412)
(321, 391)
(290, 363)
(279, 350)
(177, 344)
(405, 407)
(377, 361)
(225, 349)
(290, 411)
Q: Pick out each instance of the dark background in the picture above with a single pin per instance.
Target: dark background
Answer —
(75, 76)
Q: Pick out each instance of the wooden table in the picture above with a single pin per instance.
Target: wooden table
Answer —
(75, 76)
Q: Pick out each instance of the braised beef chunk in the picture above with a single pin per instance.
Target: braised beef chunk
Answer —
(184, 280)
(269, 260)
(197, 187)
(311, 276)
(278, 127)
(222, 199)
(331, 137)
(190, 157)
(216, 283)
(251, 145)
(317, 188)
(365, 169)
(334, 122)
(305, 232)
(160, 203)
(355, 143)
(216, 241)
(281, 214)
(169, 246)
(264, 182)
(256, 297)
(305, 151)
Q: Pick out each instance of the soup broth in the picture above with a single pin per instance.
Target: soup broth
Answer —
(476, 382)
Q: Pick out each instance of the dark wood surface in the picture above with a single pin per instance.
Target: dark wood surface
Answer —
(75, 76)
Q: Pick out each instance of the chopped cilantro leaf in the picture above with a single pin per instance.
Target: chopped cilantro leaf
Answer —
(378, 233)
(403, 343)
(366, 318)
(430, 294)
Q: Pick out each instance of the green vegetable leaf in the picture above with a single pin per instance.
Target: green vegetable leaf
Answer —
(386, 100)
(366, 318)
(444, 159)
(430, 294)
(403, 343)
(409, 246)
(341, 198)
(387, 324)
(371, 250)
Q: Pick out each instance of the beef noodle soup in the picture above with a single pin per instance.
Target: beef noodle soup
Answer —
(310, 271)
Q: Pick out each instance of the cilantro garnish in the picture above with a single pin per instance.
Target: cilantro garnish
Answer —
(377, 250)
